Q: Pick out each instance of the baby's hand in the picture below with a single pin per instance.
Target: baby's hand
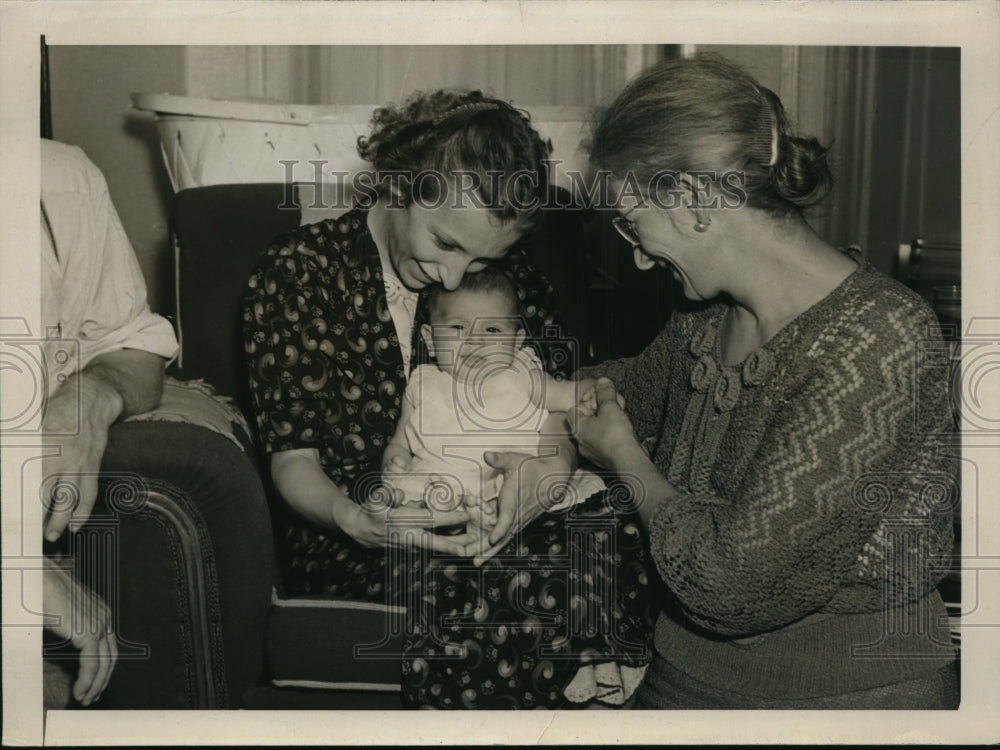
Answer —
(587, 403)
(482, 519)
(395, 496)
(395, 463)
(482, 513)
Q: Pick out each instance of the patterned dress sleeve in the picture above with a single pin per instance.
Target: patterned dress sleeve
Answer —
(845, 454)
(324, 366)
(287, 385)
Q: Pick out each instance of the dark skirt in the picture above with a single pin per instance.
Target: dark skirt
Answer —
(571, 589)
(666, 687)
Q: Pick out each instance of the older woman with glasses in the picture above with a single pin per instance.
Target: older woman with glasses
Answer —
(780, 435)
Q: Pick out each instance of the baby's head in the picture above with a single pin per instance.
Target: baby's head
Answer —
(476, 325)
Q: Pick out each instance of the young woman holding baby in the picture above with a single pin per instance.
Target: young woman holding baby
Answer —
(333, 326)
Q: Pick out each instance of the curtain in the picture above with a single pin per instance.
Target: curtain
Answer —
(578, 75)
(890, 116)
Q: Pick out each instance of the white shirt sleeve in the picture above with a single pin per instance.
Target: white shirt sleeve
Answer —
(93, 291)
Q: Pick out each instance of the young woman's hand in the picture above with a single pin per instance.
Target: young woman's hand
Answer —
(374, 521)
(531, 485)
(410, 524)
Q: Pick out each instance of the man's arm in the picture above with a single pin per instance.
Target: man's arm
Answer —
(135, 376)
(112, 386)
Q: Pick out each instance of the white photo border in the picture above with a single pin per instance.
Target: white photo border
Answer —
(974, 26)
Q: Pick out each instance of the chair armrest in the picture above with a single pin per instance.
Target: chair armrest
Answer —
(182, 541)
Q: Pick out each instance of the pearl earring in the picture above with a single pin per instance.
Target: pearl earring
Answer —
(702, 226)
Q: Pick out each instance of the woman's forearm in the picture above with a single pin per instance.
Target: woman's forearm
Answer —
(647, 485)
(300, 480)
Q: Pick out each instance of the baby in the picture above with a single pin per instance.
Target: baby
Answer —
(485, 391)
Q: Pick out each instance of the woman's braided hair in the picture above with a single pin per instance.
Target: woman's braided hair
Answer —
(485, 143)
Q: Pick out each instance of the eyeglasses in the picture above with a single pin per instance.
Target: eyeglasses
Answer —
(626, 227)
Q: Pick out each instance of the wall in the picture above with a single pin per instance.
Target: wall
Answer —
(920, 161)
(891, 115)
(91, 88)
(540, 74)
(90, 109)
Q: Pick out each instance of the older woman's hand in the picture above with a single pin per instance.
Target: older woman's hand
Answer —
(603, 432)
(604, 435)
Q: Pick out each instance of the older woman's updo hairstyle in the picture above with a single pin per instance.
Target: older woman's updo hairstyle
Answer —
(706, 114)
(450, 132)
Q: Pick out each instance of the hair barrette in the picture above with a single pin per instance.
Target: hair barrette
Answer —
(764, 139)
(470, 108)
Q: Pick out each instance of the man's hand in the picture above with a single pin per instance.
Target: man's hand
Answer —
(80, 616)
(77, 430)
(76, 422)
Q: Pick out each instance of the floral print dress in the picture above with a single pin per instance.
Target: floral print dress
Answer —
(326, 372)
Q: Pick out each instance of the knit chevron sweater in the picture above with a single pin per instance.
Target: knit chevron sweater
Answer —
(812, 497)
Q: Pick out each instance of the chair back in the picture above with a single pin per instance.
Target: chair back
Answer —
(220, 231)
